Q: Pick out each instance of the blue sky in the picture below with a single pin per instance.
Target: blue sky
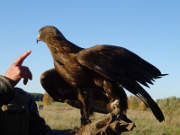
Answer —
(151, 29)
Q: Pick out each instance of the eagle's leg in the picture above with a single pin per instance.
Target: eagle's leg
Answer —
(118, 100)
(83, 98)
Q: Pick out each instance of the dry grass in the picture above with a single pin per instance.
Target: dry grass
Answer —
(146, 124)
(61, 116)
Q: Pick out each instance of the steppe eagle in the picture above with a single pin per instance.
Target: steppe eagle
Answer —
(98, 72)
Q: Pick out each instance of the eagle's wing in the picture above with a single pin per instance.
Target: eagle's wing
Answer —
(118, 64)
(124, 67)
(56, 86)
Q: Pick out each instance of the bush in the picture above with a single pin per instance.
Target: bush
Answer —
(135, 103)
(142, 106)
(37, 96)
(47, 99)
(171, 104)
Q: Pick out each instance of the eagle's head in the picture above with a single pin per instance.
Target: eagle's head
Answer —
(48, 33)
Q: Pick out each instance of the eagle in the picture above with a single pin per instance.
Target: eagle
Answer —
(99, 73)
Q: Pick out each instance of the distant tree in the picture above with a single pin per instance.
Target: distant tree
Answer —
(47, 99)
(135, 103)
(170, 103)
(37, 96)
(142, 106)
(132, 102)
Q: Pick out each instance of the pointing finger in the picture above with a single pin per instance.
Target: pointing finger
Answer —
(21, 58)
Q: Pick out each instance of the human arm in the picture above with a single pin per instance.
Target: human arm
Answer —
(6, 90)
(17, 71)
(13, 75)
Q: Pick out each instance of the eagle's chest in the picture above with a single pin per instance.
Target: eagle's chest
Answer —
(73, 73)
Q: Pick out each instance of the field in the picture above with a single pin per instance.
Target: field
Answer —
(61, 117)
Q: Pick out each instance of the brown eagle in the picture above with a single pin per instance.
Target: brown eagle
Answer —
(96, 74)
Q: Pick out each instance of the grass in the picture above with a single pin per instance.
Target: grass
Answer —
(146, 124)
(61, 116)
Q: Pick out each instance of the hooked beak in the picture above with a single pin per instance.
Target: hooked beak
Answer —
(38, 39)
